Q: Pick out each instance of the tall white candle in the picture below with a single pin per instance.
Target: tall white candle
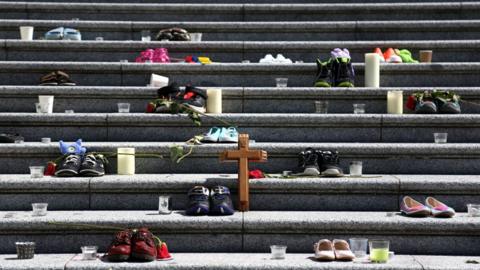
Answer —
(395, 102)
(214, 100)
(126, 163)
(372, 70)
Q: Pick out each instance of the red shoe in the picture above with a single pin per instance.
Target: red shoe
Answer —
(391, 57)
(120, 248)
(143, 245)
(380, 54)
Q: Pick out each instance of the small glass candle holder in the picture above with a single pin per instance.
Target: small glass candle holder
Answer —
(299, 62)
(18, 141)
(379, 251)
(440, 137)
(89, 253)
(356, 168)
(25, 250)
(146, 35)
(359, 247)
(164, 205)
(124, 61)
(123, 107)
(278, 252)
(473, 210)
(36, 171)
(99, 38)
(286, 173)
(196, 37)
(281, 82)
(75, 19)
(46, 140)
(246, 61)
(358, 108)
(39, 209)
(321, 106)
(69, 111)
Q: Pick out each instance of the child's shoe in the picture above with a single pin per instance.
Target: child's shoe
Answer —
(390, 56)
(412, 208)
(438, 208)
(380, 54)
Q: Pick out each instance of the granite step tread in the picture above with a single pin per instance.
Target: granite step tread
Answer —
(140, 192)
(225, 51)
(280, 31)
(234, 261)
(236, 74)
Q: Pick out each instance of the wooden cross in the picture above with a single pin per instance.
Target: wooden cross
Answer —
(243, 155)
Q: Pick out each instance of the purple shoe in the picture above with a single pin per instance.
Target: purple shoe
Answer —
(439, 209)
(412, 208)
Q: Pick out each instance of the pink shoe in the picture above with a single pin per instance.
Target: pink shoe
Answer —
(160, 55)
(412, 208)
(148, 54)
(438, 208)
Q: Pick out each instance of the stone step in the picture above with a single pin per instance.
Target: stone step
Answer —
(263, 31)
(250, 1)
(222, 51)
(135, 127)
(141, 191)
(240, 12)
(235, 74)
(254, 231)
(378, 158)
(237, 261)
(88, 99)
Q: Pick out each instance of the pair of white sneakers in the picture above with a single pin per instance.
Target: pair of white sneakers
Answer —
(280, 59)
(221, 134)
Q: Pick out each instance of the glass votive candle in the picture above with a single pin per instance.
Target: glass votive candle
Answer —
(379, 251)
(473, 210)
(46, 140)
(69, 111)
(89, 252)
(359, 247)
(281, 82)
(196, 37)
(99, 38)
(164, 205)
(124, 61)
(246, 61)
(25, 250)
(123, 107)
(321, 106)
(299, 62)
(36, 171)
(18, 141)
(39, 209)
(440, 137)
(278, 252)
(146, 35)
(356, 168)
(358, 108)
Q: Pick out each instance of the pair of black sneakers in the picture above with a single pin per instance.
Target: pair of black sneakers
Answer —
(193, 97)
(216, 201)
(78, 165)
(312, 162)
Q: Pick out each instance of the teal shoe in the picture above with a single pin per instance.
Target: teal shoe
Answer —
(229, 135)
(212, 135)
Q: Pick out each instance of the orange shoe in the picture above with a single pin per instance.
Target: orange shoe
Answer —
(379, 52)
(390, 56)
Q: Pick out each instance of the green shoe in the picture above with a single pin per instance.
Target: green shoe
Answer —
(406, 56)
(324, 74)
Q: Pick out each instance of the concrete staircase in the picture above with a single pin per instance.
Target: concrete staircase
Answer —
(397, 150)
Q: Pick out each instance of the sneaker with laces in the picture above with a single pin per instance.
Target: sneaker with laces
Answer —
(10, 138)
(69, 166)
(143, 245)
(198, 201)
(447, 102)
(343, 72)
(220, 201)
(195, 98)
(422, 103)
(328, 161)
(307, 163)
(121, 247)
(228, 135)
(324, 74)
(93, 165)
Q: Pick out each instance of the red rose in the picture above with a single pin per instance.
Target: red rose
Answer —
(50, 169)
(150, 107)
(255, 174)
(411, 102)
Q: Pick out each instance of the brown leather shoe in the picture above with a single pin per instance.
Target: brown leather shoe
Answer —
(342, 250)
(324, 250)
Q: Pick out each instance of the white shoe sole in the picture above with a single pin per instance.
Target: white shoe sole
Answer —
(332, 173)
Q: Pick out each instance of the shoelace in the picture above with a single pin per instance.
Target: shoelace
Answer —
(71, 159)
(91, 160)
(123, 237)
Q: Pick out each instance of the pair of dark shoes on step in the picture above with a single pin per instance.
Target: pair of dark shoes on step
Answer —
(216, 201)
(90, 164)
(313, 162)
(56, 78)
(191, 97)
(444, 102)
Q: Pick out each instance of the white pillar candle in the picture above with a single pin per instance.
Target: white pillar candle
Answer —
(126, 163)
(214, 100)
(395, 102)
(372, 70)
(26, 32)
